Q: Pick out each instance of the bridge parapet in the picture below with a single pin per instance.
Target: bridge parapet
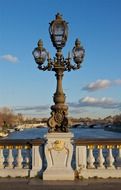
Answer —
(20, 158)
(98, 158)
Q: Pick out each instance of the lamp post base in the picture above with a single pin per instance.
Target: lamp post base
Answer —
(58, 151)
(58, 122)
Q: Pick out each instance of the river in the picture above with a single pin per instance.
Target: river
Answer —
(78, 133)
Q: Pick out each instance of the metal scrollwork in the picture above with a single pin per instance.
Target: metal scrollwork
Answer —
(59, 116)
(58, 122)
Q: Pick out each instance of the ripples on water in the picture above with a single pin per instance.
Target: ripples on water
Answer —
(78, 133)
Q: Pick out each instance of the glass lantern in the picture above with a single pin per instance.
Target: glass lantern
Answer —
(58, 32)
(78, 52)
(40, 53)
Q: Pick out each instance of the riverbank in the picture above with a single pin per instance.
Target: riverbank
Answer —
(37, 184)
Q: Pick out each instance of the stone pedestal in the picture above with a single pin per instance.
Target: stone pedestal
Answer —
(58, 152)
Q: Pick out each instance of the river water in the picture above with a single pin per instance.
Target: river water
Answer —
(78, 133)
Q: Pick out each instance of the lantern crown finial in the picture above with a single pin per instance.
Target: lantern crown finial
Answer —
(58, 16)
(40, 43)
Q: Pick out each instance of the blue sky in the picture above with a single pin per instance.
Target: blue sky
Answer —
(94, 90)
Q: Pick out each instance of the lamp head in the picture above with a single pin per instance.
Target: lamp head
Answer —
(40, 53)
(78, 52)
(58, 32)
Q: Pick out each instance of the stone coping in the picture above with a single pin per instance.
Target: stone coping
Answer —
(15, 142)
(99, 141)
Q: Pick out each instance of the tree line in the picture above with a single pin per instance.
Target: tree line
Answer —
(8, 119)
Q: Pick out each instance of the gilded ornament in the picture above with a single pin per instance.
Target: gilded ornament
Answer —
(58, 145)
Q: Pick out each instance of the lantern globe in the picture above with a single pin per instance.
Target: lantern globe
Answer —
(58, 32)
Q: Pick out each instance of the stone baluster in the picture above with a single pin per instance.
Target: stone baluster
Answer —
(90, 159)
(10, 158)
(110, 158)
(100, 158)
(1, 157)
(19, 158)
(28, 156)
(118, 158)
(81, 157)
(27, 159)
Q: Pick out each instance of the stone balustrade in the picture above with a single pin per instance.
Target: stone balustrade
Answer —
(98, 158)
(20, 158)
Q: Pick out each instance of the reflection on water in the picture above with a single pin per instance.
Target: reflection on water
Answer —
(78, 133)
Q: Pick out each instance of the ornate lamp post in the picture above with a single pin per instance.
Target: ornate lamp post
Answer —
(58, 122)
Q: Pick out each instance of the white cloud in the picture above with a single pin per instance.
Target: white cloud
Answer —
(106, 103)
(10, 58)
(32, 108)
(38, 111)
(99, 102)
(101, 84)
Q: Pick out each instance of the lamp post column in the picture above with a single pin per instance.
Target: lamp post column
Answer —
(59, 96)
(58, 122)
